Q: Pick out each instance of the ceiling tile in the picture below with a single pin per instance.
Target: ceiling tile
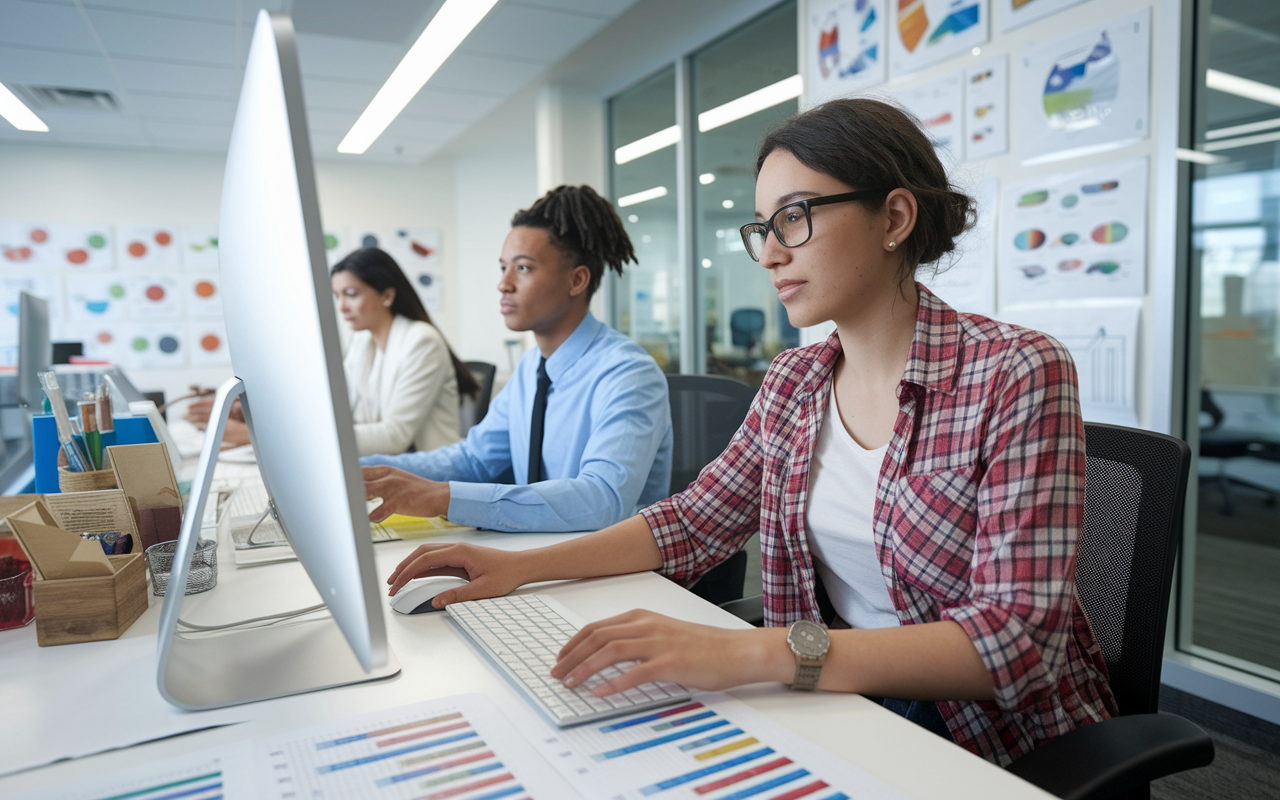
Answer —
(44, 25)
(209, 10)
(47, 68)
(532, 34)
(349, 59)
(334, 94)
(170, 78)
(409, 130)
(607, 9)
(189, 132)
(150, 37)
(181, 109)
(100, 139)
(335, 122)
(394, 21)
(431, 103)
(484, 74)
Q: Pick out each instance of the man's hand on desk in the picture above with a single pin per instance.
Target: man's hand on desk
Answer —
(234, 435)
(493, 573)
(404, 493)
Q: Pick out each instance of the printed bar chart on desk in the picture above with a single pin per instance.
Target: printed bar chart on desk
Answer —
(713, 747)
(457, 748)
(204, 775)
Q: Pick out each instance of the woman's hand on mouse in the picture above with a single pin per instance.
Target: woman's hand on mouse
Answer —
(493, 573)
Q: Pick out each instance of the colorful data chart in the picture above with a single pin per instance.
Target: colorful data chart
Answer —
(712, 747)
(199, 776)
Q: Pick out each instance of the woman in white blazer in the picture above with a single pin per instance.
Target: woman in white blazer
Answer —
(402, 378)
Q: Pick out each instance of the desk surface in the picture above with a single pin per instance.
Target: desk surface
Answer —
(82, 698)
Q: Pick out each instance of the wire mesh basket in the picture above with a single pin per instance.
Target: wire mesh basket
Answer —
(201, 577)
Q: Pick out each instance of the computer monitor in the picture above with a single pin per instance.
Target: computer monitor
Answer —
(283, 337)
(35, 352)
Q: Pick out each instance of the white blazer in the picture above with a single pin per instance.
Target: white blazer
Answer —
(406, 395)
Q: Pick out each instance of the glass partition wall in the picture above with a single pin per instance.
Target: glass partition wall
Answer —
(1230, 610)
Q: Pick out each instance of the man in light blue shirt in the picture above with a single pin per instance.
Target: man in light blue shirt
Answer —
(602, 425)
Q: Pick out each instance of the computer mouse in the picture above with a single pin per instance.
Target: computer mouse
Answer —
(416, 595)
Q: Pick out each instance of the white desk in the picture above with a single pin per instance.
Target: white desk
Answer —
(53, 694)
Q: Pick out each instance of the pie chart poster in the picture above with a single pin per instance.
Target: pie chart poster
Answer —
(1086, 92)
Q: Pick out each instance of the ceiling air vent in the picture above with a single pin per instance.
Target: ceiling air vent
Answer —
(72, 99)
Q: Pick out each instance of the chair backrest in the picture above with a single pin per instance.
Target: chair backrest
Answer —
(472, 410)
(706, 410)
(745, 327)
(1135, 488)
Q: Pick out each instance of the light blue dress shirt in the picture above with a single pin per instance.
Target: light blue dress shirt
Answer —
(606, 451)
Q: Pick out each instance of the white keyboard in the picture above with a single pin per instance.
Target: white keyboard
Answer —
(248, 500)
(523, 634)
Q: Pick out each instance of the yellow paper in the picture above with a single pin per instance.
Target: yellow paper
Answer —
(420, 527)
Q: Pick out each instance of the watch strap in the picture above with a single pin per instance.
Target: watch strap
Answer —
(807, 673)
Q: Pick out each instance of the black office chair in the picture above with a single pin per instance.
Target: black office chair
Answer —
(746, 325)
(1135, 488)
(1225, 442)
(472, 409)
(706, 411)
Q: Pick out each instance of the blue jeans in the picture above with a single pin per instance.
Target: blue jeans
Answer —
(922, 712)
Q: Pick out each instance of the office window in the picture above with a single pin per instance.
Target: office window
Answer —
(643, 135)
(740, 322)
(1233, 613)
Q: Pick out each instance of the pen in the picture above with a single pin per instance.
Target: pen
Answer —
(89, 425)
(106, 423)
(77, 461)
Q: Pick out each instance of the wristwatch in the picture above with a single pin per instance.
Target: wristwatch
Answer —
(810, 642)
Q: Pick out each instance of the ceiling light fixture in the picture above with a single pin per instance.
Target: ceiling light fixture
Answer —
(748, 104)
(1240, 130)
(1197, 157)
(1242, 87)
(21, 117)
(707, 177)
(649, 144)
(642, 197)
(1243, 141)
(447, 29)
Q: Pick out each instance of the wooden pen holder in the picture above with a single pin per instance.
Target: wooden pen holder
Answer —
(75, 610)
(97, 480)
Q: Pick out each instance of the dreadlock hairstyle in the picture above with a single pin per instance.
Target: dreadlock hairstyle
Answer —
(380, 272)
(583, 226)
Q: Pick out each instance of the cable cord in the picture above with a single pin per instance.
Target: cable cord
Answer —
(270, 619)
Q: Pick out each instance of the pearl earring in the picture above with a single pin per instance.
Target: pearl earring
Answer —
(892, 245)
(387, 303)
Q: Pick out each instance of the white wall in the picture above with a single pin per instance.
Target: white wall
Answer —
(71, 185)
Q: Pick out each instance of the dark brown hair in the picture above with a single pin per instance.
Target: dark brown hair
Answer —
(380, 272)
(583, 226)
(871, 145)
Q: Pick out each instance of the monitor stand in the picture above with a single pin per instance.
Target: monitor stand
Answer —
(205, 671)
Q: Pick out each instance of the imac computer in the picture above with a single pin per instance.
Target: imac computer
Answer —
(283, 336)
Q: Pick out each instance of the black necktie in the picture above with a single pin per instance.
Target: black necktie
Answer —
(535, 426)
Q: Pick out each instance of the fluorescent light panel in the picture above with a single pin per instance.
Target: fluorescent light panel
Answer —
(641, 197)
(1197, 157)
(1240, 130)
(448, 29)
(21, 117)
(1243, 141)
(1242, 87)
(749, 104)
(649, 144)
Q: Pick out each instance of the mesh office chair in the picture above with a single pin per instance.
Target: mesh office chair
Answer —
(746, 325)
(472, 410)
(706, 411)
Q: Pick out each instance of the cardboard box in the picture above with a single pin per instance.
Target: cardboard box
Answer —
(146, 477)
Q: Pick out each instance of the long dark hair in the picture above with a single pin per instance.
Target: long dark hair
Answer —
(583, 226)
(871, 145)
(380, 272)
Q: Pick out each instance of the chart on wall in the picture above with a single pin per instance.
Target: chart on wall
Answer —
(204, 295)
(200, 247)
(47, 288)
(26, 244)
(1086, 92)
(1103, 344)
(986, 109)
(924, 32)
(846, 48)
(93, 298)
(1010, 14)
(208, 343)
(968, 284)
(939, 106)
(1073, 235)
(417, 251)
(148, 246)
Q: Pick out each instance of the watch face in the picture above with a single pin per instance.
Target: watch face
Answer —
(808, 639)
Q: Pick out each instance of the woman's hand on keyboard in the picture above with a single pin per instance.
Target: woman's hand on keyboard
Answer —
(696, 656)
(493, 573)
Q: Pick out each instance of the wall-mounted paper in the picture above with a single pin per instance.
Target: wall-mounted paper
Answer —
(986, 109)
(209, 344)
(27, 244)
(147, 246)
(103, 340)
(1086, 92)
(82, 247)
(338, 243)
(1103, 343)
(924, 32)
(1079, 234)
(204, 296)
(417, 251)
(93, 298)
(47, 288)
(154, 297)
(200, 246)
(845, 47)
(939, 106)
(969, 284)
(1010, 14)
(152, 345)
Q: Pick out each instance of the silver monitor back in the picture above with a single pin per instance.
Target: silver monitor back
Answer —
(283, 336)
(35, 352)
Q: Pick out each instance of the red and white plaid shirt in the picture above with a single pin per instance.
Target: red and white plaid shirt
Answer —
(977, 514)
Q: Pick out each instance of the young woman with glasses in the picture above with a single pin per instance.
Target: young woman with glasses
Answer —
(917, 479)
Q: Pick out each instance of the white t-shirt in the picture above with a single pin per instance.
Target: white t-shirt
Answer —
(842, 495)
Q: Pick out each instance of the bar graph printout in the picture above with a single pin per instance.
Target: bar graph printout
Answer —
(712, 747)
(205, 775)
(457, 748)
